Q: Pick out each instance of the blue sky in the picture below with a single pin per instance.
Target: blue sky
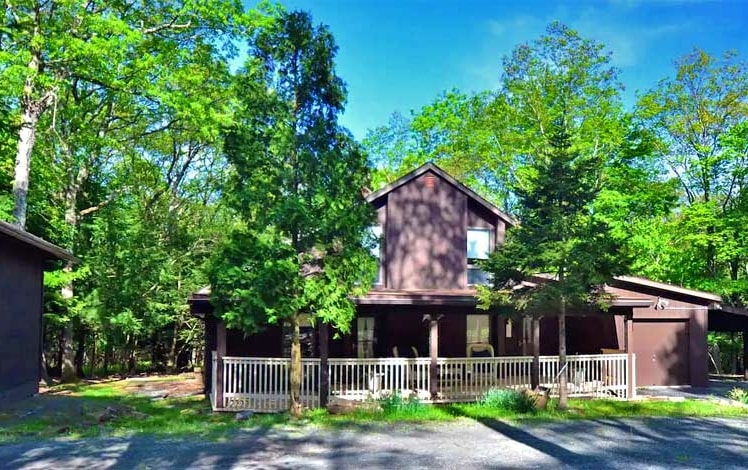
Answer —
(399, 55)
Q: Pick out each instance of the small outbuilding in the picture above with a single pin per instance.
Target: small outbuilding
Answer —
(22, 261)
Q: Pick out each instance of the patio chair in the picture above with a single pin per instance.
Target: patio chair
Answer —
(479, 350)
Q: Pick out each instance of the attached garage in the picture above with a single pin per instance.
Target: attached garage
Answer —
(668, 336)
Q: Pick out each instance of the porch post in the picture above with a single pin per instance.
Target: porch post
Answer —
(324, 371)
(434, 353)
(220, 352)
(745, 352)
(628, 334)
(535, 373)
(501, 335)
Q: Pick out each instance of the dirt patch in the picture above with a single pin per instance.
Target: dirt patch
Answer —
(184, 385)
(64, 408)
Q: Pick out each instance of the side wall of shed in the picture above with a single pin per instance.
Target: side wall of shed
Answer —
(21, 291)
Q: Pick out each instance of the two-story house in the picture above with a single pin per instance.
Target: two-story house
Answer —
(432, 230)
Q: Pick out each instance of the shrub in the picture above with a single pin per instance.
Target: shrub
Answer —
(394, 402)
(509, 400)
(738, 394)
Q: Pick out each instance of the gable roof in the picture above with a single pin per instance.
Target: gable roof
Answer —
(53, 251)
(451, 180)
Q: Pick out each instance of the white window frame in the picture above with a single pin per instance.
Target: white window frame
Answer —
(378, 232)
(368, 343)
(470, 265)
(477, 320)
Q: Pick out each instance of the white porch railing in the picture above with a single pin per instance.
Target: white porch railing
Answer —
(261, 384)
(365, 378)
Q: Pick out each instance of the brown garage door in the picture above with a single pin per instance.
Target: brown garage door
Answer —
(661, 349)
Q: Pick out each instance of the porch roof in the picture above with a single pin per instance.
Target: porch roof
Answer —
(458, 297)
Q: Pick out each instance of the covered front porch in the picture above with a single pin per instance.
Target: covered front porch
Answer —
(436, 347)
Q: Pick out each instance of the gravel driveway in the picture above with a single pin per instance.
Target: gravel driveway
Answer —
(595, 444)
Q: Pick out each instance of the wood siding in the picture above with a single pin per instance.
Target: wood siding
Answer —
(20, 316)
(425, 227)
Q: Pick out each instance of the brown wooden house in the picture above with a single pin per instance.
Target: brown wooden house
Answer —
(22, 261)
(423, 306)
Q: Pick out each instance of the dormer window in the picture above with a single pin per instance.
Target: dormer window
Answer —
(478, 248)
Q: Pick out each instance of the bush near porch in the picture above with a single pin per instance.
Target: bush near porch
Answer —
(124, 407)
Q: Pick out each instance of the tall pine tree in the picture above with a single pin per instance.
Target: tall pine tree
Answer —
(297, 184)
(562, 247)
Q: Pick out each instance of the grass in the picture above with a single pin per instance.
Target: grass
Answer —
(111, 409)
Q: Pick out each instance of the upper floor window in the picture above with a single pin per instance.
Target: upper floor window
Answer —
(376, 251)
(478, 248)
(478, 243)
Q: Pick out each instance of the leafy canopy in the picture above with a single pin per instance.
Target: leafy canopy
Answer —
(297, 184)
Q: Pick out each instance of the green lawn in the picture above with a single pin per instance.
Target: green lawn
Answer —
(112, 409)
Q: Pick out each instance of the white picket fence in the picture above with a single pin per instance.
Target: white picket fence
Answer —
(261, 384)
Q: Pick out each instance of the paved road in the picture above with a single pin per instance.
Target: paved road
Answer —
(599, 444)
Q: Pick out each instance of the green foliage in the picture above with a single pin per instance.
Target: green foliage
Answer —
(393, 403)
(508, 400)
(126, 166)
(461, 133)
(699, 120)
(296, 184)
(738, 394)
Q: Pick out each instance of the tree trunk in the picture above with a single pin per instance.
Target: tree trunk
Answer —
(562, 380)
(67, 372)
(31, 109)
(324, 373)
(26, 138)
(172, 362)
(535, 372)
(80, 352)
(107, 357)
(43, 374)
(59, 352)
(92, 362)
(295, 379)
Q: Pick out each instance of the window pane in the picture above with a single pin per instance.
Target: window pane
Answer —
(477, 329)
(478, 243)
(376, 250)
(365, 337)
(477, 277)
(306, 333)
(376, 232)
